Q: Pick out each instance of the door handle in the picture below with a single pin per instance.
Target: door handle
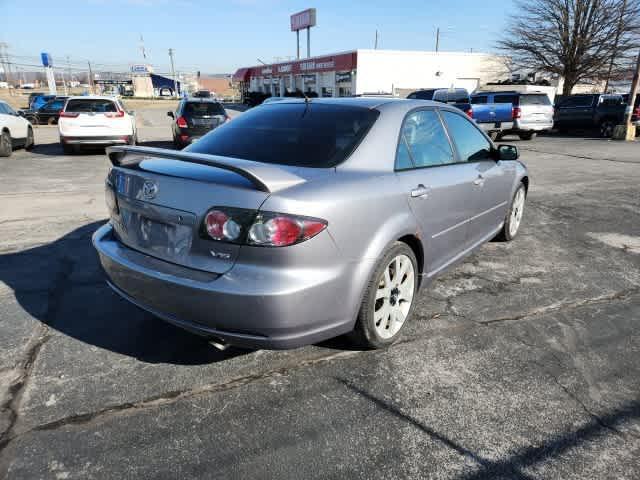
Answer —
(479, 181)
(420, 191)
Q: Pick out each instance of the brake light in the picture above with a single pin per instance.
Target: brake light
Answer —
(69, 114)
(117, 114)
(268, 229)
(516, 113)
(181, 122)
(469, 112)
(636, 112)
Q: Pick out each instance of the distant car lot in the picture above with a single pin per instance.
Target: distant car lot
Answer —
(524, 368)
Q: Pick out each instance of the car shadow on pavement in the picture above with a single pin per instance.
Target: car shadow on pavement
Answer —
(62, 285)
(514, 465)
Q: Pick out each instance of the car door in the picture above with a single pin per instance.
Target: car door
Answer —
(437, 186)
(15, 123)
(489, 197)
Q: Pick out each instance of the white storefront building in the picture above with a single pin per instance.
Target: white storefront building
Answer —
(360, 72)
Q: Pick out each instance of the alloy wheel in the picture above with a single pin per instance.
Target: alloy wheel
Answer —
(517, 209)
(394, 296)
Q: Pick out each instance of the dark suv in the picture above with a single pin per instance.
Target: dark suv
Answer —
(590, 112)
(194, 118)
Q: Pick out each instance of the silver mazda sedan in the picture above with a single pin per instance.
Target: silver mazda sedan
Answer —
(303, 220)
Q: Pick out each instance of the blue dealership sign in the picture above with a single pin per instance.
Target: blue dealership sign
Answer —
(46, 59)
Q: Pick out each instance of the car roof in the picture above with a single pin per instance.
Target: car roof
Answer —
(364, 102)
(92, 97)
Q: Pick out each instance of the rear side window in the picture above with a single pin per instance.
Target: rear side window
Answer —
(203, 109)
(534, 100)
(513, 99)
(91, 106)
(302, 134)
(423, 142)
(471, 144)
(580, 101)
(422, 95)
(451, 96)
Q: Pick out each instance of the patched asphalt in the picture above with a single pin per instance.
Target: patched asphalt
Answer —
(522, 362)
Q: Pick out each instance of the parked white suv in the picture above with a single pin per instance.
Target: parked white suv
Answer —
(15, 131)
(95, 120)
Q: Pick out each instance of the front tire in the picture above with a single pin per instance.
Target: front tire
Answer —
(6, 145)
(389, 298)
(514, 215)
(29, 143)
(527, 135)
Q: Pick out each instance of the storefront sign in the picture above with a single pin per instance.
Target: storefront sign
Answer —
(343, 77)
(304, 19)
(309, 79)
(342, 62)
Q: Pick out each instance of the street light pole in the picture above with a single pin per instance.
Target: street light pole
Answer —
(173, 73)
(635, 86)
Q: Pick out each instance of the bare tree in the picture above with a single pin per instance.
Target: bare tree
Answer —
(579, 40)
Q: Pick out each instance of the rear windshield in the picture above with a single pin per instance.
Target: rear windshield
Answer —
(303, 134)
(448, 96)
(541, 99)
(513, 99)
(91, 105)
(203, 109)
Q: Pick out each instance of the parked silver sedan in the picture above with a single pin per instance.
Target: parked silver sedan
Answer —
(302, 220)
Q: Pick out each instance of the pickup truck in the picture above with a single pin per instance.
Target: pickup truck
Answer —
(590, 112)
(493, 118)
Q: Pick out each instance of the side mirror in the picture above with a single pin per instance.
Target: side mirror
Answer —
(507, 152)
(20, 113)
(170, 114)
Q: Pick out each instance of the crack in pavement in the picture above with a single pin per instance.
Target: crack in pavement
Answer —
(561, 306)
(18, 387)
(582, 157)
(168, 398)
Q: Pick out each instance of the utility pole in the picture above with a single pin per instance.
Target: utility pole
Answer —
(6, 66)
(437, 39)
(298, 44)
(375, 45)
(615, 44)
(173, 73)
(308, 42)
(90, 77)
(635, 86)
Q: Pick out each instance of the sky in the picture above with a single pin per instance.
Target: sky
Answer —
(220, 36)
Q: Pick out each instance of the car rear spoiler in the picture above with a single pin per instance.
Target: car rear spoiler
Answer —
(265, 177)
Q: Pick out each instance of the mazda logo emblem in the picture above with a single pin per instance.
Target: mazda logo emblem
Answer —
(149, 189)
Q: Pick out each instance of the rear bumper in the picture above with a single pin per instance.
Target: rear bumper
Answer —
(97, 140)
(519, 126)
(279, 309)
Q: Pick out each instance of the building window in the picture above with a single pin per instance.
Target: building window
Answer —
(344, 91)
(327, 91)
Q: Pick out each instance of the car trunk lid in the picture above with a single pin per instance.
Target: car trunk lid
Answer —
(163, 196)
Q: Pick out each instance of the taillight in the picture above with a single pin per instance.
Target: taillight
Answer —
(69, 114)
(181, 122)
(469, 112)
(267, 229)
(636, 112)
(117, 114)
(515, 113)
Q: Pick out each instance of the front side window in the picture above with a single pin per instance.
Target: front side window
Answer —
(471, 143)
(423, 142)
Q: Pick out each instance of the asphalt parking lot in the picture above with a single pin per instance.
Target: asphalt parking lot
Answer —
(523, 362)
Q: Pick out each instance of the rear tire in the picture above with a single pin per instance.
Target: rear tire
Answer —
(389, 298)
(67, 149)
(6, 146)
(606, 128)
(133, 140)
(527, 135)
(29, 143)
(513, 219)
